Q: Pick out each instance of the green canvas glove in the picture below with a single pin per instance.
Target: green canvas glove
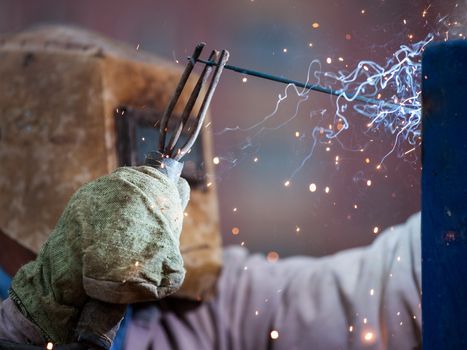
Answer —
(117, 242)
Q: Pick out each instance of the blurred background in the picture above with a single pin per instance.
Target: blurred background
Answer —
(353, 201)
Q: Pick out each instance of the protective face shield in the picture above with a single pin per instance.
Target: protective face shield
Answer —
(74, 106)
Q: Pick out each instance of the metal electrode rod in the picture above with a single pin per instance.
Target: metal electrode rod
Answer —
(307, 86)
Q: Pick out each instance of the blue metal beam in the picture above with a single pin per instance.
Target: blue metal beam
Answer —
(444, 196)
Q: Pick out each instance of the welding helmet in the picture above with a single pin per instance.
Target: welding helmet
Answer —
(75, 105)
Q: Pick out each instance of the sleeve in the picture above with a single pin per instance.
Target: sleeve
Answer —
(361, 298)
(14, 327)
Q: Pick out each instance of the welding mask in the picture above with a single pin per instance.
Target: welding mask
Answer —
(74, 106)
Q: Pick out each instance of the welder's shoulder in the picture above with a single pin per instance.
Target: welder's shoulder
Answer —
(409, 231)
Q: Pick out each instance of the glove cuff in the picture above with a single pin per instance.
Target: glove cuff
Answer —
(98, 323)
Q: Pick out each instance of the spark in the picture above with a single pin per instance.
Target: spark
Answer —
(365, 320)
(284, 50)
(368, 183)
(287, 183)
(272, 257)
(297, 229)
(351, 329)
(398, 78)
(327, 189)
(425, 11)
(216, 160)
(312, 187)
(244, 79)
(375, 230)
(137, 47)
(274, 334)
(315, 25)
(50, 346)
(372, 291)
(235, 231)
(255, 159)
(234, 210)
(297, 134)
(368, 336)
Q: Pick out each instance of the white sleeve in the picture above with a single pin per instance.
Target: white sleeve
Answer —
(361, 298)
(364, 298)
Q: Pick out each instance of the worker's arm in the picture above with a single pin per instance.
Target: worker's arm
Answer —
(117, 242)
(360, 298)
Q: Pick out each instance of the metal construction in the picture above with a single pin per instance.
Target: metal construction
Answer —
(444, 196)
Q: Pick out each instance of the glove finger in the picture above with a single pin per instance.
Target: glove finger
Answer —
(99, 322)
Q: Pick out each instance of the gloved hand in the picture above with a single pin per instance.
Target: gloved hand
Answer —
(117, 242)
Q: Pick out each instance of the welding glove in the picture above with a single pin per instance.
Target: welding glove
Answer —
(116, 243)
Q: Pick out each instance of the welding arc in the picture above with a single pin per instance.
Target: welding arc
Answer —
(308, 86)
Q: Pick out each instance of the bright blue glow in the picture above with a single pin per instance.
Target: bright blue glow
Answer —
(397, 84)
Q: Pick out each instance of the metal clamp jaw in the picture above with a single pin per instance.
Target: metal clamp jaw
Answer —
(167, 158)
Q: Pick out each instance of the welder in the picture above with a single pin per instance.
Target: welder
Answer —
(117, 243)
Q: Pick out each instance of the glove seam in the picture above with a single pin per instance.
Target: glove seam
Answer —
(22, 308)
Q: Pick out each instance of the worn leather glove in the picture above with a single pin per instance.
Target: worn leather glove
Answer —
(117, 242)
